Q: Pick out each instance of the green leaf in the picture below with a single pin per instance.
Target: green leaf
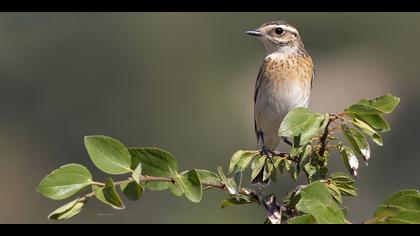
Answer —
(237, 178)
(240, 160)
(384, 104)
(155, 162)
(68, 210)
(341, 178)
(176, 190)
(314, 127)
(344, 183)
(190, 184)
(406, 217)
(294, 122)
(347, 190)
(64, 182)
(357, 141)
(365, 128)
(291, 199)
(291, 169)
(303, 219)
(269, 170)
(377, 122)
(402, 207)
(257, 166)
(108, 195)
(335, 192)
(349, 159)
(311, 172)
(175, 187)
(108, 154)
(301, 121)
(132, 190)
(231, 183)
(208, 177)
(238, 199)
(304, 157)
(317, 201)
(323, 171)
(137, 174)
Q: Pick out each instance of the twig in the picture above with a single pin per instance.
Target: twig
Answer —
(324, 138)
(206, 186)
(284, 155)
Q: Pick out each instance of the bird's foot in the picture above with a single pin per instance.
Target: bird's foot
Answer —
(268, 153)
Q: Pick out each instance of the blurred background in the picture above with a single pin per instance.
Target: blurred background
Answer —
(184, 82)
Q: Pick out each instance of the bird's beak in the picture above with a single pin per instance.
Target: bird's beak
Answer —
(255, 33)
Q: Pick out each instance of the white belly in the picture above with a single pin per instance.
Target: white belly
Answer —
(272, 105)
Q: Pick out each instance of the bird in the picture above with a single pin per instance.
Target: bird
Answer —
(284, 82)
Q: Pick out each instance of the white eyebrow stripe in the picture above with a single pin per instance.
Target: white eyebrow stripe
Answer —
(288, 28)
(284, 27)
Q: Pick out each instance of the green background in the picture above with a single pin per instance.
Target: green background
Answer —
(184, 82)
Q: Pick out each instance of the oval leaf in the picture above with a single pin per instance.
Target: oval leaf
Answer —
(238, 199)
(357, 141)
(341, 178)
(230, 184)
(208, 177)
(137, 174)
(376, 121)
(350, 160)
(68, 210)
(240, 160)
(344, 183)
(313, 128)
(402, 207)
(190, 184)
(108, 154)
(65, 181)
(108, 195)
(257, 166)
(132, 190)
(365, 128)
(335, 192)
(154, 162)
(269, 170)
(303, 219)
(384, 104)
(317, 201)
(176, 190)
(294, 122)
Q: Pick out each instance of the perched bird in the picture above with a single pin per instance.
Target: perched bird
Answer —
(284, 81)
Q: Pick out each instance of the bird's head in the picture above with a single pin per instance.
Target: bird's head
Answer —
(277, 35)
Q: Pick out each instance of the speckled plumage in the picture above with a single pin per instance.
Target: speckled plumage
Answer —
(284, 81)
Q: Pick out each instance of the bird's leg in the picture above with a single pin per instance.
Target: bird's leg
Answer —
(266, 152)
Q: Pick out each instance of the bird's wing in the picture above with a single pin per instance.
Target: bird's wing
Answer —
(313, 78)
(258, 83)
(313, 75)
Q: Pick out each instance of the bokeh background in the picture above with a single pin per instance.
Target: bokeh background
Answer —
(184, 82)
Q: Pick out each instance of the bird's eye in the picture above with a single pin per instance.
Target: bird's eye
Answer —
(279, 31)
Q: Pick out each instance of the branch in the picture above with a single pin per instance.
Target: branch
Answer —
(206, 186)
(284, 155)
(324, 138)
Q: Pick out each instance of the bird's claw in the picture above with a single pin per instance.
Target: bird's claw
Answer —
(268, 153)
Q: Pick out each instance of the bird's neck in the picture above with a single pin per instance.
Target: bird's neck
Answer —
(279, 53)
